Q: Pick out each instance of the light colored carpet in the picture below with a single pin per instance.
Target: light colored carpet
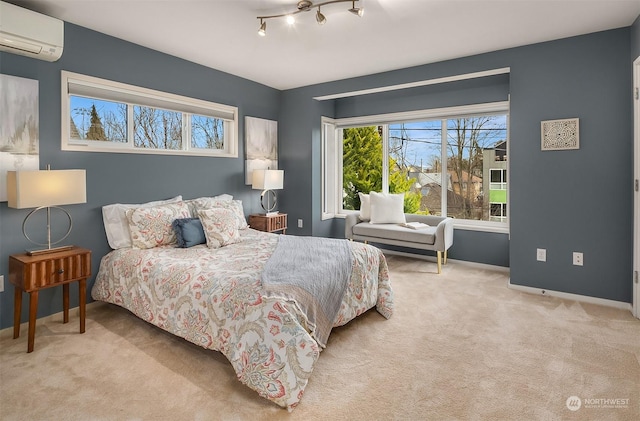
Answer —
(460, 346)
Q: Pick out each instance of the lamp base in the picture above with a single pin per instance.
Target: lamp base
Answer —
(48, 244)
(37, 252)
(268, 201)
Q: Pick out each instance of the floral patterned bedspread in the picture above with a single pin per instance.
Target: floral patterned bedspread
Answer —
(213, 298)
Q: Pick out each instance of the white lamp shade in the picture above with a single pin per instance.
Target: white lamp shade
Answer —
(268, 179)
(32, 189)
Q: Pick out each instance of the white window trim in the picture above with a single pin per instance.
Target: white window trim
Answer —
(333, 186)
(431, 114)
(121, 92)
(331, 149)
(486, 226)
(426, 82)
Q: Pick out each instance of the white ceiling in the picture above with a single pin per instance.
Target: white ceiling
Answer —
(392, 34)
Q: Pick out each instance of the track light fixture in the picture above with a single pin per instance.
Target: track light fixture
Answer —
(306, 6)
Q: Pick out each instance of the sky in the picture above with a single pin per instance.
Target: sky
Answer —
(422, 140)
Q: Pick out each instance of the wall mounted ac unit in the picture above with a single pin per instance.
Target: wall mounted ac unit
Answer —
(29, 33)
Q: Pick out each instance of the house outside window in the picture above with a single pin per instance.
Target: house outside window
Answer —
(496, 165)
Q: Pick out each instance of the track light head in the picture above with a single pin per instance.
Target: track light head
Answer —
(320, 18)
(304, 5)
(358, 11)
(263, 28)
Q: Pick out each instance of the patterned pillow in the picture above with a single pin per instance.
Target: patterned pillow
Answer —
(220, 226)
(238, 213)
(233, 205)
(116, 225)
(207, 202)
(151, 227)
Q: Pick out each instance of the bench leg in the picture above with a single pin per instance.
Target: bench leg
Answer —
(439, 262)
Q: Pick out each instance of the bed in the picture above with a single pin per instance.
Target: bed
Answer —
(214, 297)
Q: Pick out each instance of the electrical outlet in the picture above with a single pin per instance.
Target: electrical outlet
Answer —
(1, 283)
(577, 258)
(299, 223)
(541, 255)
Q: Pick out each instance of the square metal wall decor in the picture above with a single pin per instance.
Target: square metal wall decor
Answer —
(560, 134)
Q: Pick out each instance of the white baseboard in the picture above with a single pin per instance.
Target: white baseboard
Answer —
(574, 297)
(433, 259)
(531, 290)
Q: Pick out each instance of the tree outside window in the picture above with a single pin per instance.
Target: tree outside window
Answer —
(362, 168)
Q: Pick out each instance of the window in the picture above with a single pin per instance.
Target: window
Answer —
(498, 212)
(104, 116)
(449, 161)
(498, 179)
(361, 163)
(415, 166)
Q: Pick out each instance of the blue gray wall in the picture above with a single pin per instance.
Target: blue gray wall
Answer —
(563, 201)
(579, 200)
(125, 178)
(635, 39)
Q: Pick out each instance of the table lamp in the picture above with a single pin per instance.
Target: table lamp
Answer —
(268, 181)
(45, 190)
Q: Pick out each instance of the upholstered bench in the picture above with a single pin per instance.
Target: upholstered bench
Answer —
(437, 237)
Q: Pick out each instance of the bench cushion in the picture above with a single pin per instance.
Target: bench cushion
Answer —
(396, 232)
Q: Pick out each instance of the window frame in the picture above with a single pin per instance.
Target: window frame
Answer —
(75, 84)
(332, 150)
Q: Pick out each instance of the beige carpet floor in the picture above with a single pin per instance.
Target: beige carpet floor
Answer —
(460, 346)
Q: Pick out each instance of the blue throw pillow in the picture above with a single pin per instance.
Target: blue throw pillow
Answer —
(189, 232)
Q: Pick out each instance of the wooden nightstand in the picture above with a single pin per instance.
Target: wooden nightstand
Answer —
(33, 273)
(270, 223)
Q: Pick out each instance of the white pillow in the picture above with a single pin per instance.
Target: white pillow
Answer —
(387, 208)
(116, 225)
(365, 207)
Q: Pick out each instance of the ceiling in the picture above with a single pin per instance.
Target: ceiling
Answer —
(392, 34)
